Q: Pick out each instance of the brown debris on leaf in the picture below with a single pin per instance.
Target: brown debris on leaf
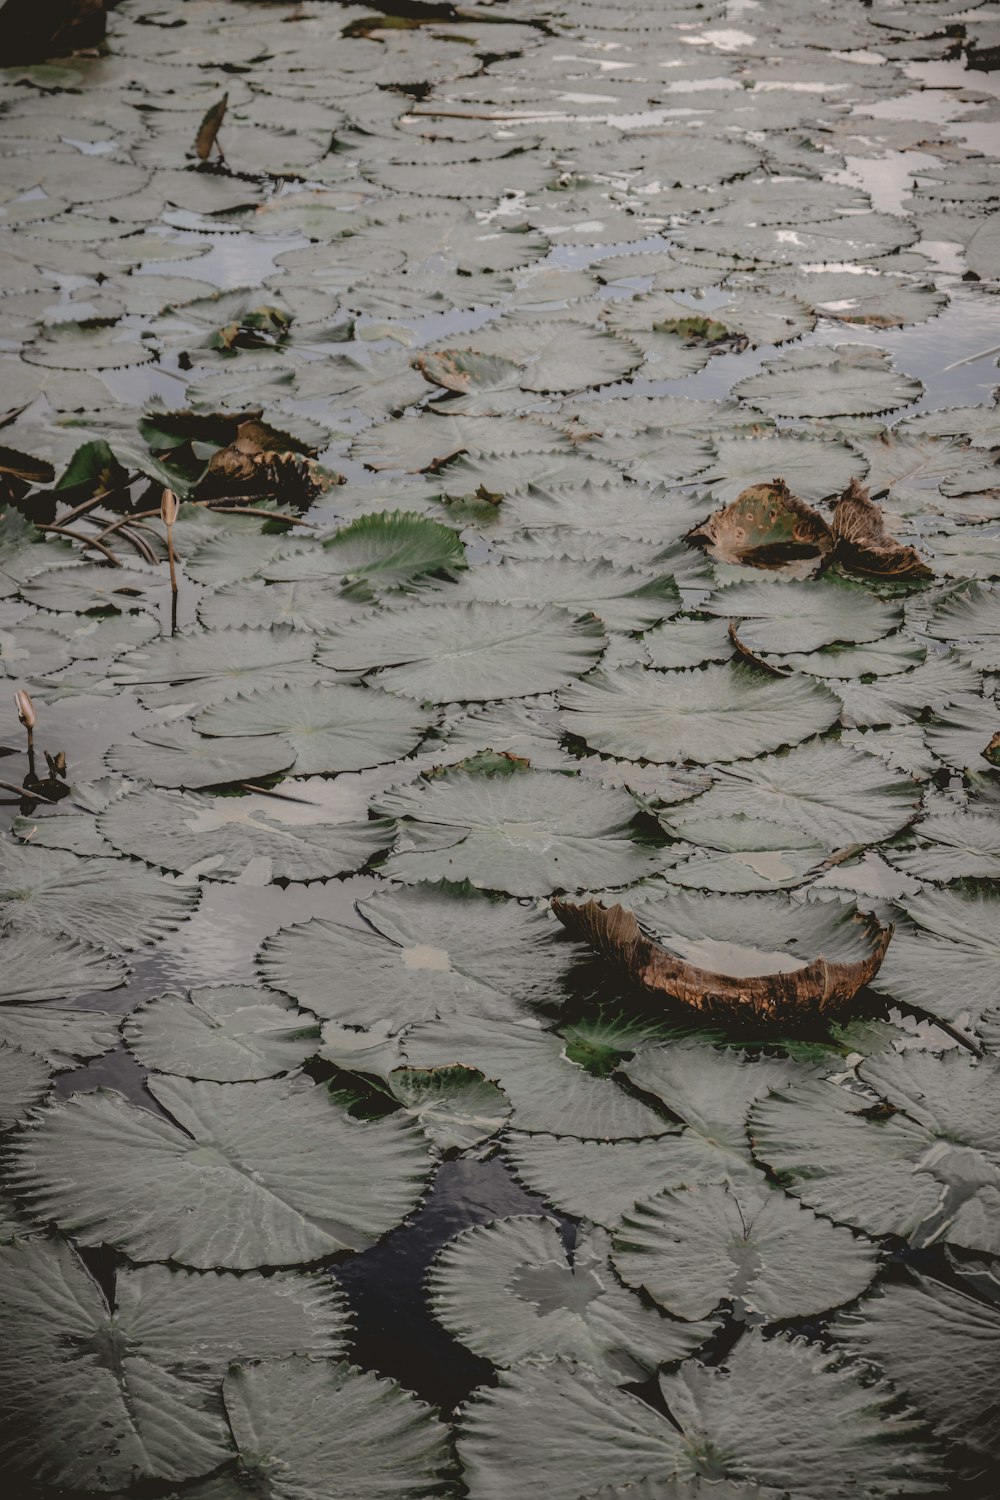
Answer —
(864, 546)
(782, 1001)
(992, 752)
(766, 526)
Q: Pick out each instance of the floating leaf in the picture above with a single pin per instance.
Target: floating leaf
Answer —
(624, 599)
(938, 1341)
(711, 1092)
(469, 652)
(765, 1416)
(714, 713)
(331, 728)
(667, 951)
(456, 1107)
(549, 1090)
(61, 1036)
(201, 666)
(24, 1081)
(529, 833)
(924, 1165)
(175, 755)
(601, 1180)
(744, 1243)
(426, 951)
(835, 795)
(252, 1174)
(41, 965)
(509, 1292)
(228, 1033)
(222, 836)
(810, 467)
(389, 549)
(970, 616)
(964, 844)
(103, 901)
(297, 1422)
(799, 616)
(78, 1418)
(766, 526)
(864, 545)
(843, 380)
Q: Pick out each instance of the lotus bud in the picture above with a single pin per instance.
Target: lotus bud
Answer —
(25, 709)
(169, 507)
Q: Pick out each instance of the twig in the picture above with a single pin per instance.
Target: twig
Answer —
(79, 536)
(22, 791)
(267, 791)
(970, 359)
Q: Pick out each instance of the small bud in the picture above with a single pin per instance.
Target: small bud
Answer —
(25, 709)
(169, 506)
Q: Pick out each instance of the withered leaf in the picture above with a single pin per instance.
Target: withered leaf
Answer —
(864, 545)
(766, 526)
(779, 1001)
(209, 129)
(992, 751)
(254, 464)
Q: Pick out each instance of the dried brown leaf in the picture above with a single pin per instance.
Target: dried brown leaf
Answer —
(209, 129)
(766, 527)
(862, 543)
(783, 1001)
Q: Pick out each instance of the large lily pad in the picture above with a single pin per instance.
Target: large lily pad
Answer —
(799, 616)
(229, 1033)
(746, 1243)
(919, 1159)
(100, 1390)
(509, 1292)
(251, 1174)
(300, 1425)
(221, 836)
(528, 833)
(916, 1329)
(714, 713)
(447, 652)
(836, 795)
(845, 380)
(330, 728)
(425, 951)
(102, 901)
(201, 666)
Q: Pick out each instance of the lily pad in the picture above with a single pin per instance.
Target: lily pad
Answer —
(471, 652)
(800, 616)
(221, 837)
(844, 380)
(746, 1243)
(229, 1033)
(174, 755)
(331, 728)
(96, 901)
(529, 833)
(251, 1174)
(76, 1420)
(425, 951)
(714, 713)
(509, 1292)
(919, 1159)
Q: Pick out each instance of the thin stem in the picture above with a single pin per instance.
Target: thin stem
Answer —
(267, 791)
(22, 791)
(170, 558)
(143, 548)
(79, 536)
